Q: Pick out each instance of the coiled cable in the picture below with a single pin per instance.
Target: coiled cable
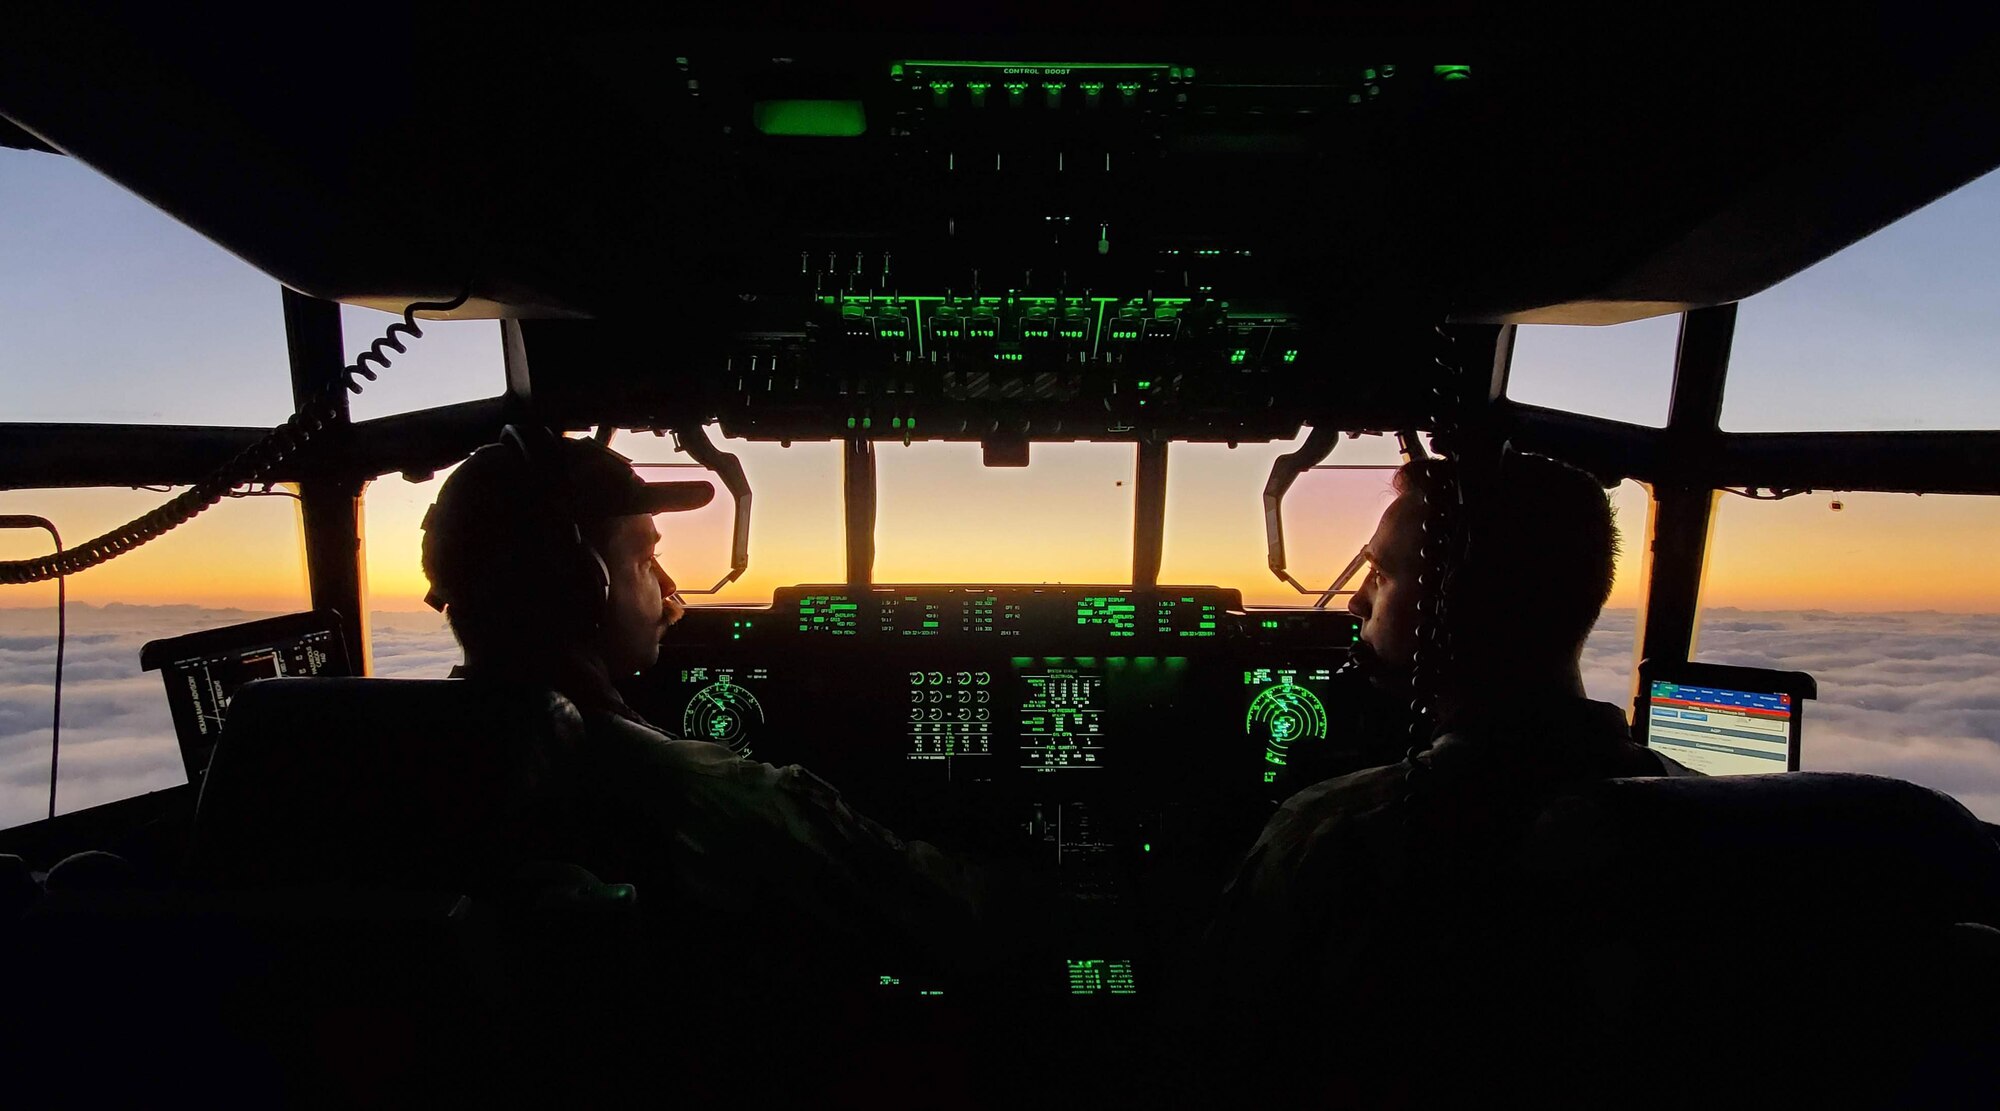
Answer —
(250, 465)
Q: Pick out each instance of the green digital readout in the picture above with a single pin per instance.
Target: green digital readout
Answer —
(1117, 612)
(909, 615)
(831, 614)
(1284, 713)
(1184, 616)
(1102, 977)
(1062, 726)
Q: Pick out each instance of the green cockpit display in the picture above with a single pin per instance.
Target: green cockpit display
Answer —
(724, 711)
(1283, 713)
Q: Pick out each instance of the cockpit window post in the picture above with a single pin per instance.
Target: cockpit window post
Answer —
(329, 503)
(1149, 512)
(1684, 499)
(857, 482)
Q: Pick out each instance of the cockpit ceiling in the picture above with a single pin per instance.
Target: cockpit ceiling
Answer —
(659, 174)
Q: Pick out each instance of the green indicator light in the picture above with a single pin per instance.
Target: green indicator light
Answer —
(911, 423)
(1146, 848)
(1145, 384)
(1368, 75)
(977, 87)
(1453, 73)
(1291, 356)
(1270, 624)
(850, 422)
(825, 119)
(1129, 87)
(941, 86)
(1238, 355)
(867, 422)
(895, 422)
(1091, 87)
(1016, 86)
(1054, 86)
(895, 69)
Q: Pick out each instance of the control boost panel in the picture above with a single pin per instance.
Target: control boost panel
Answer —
(1059, 249)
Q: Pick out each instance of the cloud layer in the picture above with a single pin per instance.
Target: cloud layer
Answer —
(1913, 695)
(118, 740)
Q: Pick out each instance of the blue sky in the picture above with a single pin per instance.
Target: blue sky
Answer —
(113, 312)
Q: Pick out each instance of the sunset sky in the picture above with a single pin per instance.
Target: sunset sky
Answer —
(114, 313)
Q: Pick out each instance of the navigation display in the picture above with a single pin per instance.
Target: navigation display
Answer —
(724, 707)
(1284, 712)
(1721, 732)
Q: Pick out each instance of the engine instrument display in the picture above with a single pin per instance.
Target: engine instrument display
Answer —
(951, 717)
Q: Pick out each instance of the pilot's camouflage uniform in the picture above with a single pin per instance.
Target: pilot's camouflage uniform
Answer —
(713, 840)
(1356, 881)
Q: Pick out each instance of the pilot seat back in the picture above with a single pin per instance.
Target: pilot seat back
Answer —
(428, 784)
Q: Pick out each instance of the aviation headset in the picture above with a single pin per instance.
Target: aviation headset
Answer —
(576, 580)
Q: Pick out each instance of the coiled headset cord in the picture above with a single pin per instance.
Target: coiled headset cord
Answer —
(251, 464)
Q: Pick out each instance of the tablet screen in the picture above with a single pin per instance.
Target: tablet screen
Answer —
(1717, 731)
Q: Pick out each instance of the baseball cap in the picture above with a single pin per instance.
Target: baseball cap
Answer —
(495, 503)
(601, 484)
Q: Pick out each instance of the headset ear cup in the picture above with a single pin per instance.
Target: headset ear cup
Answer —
(594, 584)
(582, 579)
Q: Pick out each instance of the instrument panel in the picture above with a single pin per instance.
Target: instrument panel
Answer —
(1118, 747)
(989, 684)
(938, 704)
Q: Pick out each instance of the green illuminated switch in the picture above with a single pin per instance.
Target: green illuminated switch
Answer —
(1126, 327)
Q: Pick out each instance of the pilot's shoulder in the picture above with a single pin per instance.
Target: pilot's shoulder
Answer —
(1327, 807)
(631, 744)
(704, 764)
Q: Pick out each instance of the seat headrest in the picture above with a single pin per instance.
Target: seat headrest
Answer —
(1796, 846)
(378, 780)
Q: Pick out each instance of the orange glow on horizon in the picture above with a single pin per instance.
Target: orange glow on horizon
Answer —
(1067, 518)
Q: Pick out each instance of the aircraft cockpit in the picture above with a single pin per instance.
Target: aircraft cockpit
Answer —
(699, 241)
